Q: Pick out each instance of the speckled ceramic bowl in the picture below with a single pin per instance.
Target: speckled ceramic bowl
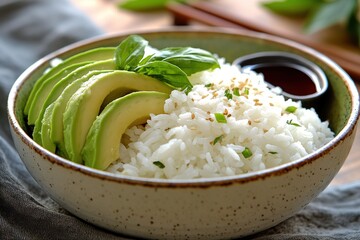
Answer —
(203, 208)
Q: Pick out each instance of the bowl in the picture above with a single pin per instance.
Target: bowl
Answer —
(211, 208)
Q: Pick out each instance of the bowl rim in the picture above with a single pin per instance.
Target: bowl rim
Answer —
(349, 127)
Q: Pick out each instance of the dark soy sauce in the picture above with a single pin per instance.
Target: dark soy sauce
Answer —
(290, 78)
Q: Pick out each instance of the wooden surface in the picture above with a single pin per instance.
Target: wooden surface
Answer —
(111, 19)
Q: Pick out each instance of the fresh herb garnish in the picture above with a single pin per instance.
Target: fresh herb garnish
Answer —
(220, 118)
(165, 72)
(228, 94)
(130, 52)
(170, 65)
(246, 153)
(291, 109)
(188, 59)
(290, 122)
(159, 164)
(246, 91)
(236, 91)
(218, 139)
(208, 85)
(273, 152)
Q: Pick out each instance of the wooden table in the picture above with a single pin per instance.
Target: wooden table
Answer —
(111, 19)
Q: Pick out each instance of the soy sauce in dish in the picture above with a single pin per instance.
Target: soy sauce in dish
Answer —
(292, 79)
(298, 78)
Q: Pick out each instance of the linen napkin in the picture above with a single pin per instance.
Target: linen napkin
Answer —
(30, 29)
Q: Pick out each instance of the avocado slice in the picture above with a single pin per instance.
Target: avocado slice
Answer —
(102, 146)
(85, 104)
(96, 54)
(37, 110)
(45, 130)
(46, 87)
(40, 99)
(55, 117)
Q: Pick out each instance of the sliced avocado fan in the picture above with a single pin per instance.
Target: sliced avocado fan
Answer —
(44, 89)
(52, 134)
(51, 94)
(102, 146)
(85, 105)
(96, 54)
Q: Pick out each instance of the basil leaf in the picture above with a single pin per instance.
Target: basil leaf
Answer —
(165, 72)
(145, 59)
(130, 52)
(190, 60)
(291, 7)
(328, 14)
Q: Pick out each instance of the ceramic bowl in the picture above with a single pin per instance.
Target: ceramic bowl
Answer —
(213, 208)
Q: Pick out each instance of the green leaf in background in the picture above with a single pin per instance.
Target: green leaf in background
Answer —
(354, 25)
(190, 60)
(130, 52)
(165, 72)
(291, 7)
(320, 14)
(145, 5)
(328, 14)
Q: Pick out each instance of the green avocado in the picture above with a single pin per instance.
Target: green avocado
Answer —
(96, 54)
(45, 90)
(45, 130)
(102, 146)
(55, 117)
(85, 105)
(45, 98)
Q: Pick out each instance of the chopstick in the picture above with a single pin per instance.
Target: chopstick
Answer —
(183, 13)
(212, 15)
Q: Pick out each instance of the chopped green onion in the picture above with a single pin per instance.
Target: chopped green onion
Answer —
(246, 91)
(228, 94)
(218, 139)
(208, 85)
(290, 122)
(220, 118)
(273, 152)
(159, 164)
(246, 153)
(236, 92)
(291, 109)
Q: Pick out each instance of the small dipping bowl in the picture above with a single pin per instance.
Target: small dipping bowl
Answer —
(299, 78)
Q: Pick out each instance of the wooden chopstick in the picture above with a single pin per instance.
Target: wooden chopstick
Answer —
(184, 13)
(209, 14)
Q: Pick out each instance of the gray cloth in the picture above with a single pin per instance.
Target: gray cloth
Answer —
(29, 29)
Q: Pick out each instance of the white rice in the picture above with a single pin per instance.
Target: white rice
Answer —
(182, 139)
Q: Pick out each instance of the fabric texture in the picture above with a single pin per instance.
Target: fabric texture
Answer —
(30, 29)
